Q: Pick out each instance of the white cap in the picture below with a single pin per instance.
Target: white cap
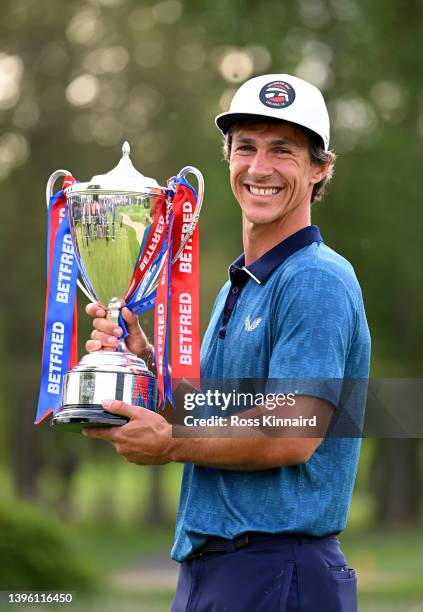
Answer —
(280, 96)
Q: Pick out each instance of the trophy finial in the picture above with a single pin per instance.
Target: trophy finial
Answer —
(123, 178)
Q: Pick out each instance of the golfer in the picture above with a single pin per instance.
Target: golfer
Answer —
(259, 515)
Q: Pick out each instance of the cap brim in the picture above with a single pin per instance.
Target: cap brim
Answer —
(225, 120)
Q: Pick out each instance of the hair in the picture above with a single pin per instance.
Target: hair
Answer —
(318, 155)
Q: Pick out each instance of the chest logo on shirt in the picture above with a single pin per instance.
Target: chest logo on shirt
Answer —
(251, 325)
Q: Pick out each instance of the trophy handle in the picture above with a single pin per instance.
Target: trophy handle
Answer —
(49, 192)
(200, 195)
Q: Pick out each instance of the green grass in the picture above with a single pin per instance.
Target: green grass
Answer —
(109, 263)
(118, 548)
(112, 489)
(134, 247)
(389, 566)
(142, 216)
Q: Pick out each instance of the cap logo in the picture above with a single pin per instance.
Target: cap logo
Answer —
(277, 94)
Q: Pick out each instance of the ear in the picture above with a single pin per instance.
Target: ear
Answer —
(319, 171)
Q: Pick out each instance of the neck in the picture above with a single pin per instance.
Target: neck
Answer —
(258, 239)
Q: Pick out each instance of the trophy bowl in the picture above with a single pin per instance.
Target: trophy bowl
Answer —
(111, 218)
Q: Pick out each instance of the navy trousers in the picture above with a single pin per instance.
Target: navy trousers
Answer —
(295, 574)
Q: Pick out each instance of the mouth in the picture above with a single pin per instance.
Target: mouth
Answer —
(263, 191)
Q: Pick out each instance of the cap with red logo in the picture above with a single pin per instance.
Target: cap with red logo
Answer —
(280, 96)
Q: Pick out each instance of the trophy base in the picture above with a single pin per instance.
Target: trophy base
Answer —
(80, 417)
(104, 375)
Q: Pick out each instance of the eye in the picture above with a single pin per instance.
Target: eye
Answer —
(244, 147)
(281, 151)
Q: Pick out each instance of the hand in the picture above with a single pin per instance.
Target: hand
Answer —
(106, 334)
(145, 440)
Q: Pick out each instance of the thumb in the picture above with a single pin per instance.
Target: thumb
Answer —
(119, 407)
(131, 320)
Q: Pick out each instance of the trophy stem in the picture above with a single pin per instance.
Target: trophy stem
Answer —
(113, 310)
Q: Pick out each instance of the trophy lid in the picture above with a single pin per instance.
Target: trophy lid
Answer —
(124, 178)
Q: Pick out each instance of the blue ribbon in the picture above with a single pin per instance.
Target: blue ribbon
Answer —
(136, 307)
(59, 315)
(179, 180)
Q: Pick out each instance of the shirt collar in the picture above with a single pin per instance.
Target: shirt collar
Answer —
(262, 268)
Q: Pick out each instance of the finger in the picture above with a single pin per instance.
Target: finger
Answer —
(101, 433)
(129, 316)
(96, 345)
(107, 326)
(119, 407)
(132, 323)
(105, 339)
(93, 345)
(95, 310)
(133, 326)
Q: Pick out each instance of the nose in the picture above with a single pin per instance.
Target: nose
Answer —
(260, 166)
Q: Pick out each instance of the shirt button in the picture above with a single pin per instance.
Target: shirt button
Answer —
(234, 290)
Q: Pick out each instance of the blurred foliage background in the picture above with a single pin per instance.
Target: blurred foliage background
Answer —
(77, 78)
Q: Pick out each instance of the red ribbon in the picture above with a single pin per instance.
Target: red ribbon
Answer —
(160, 325)
(183, 280)
(185, 300)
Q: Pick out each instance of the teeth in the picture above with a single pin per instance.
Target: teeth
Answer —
(263, 192)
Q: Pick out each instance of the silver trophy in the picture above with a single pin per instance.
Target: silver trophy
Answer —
(110, 217)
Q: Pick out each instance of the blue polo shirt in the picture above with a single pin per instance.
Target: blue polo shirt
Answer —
(295, 313)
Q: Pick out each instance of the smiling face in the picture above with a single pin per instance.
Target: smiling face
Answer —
(272, 175)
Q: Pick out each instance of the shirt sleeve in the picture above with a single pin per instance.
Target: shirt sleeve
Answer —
(313, 323)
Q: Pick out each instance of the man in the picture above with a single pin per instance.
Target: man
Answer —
(258, 515)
